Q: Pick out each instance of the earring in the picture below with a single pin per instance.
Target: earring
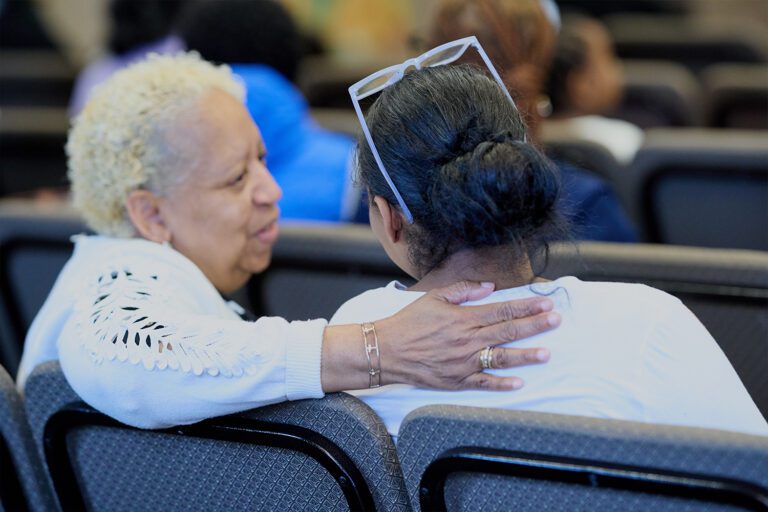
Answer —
(544, 106)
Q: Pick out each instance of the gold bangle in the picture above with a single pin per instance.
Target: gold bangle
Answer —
(372, 354)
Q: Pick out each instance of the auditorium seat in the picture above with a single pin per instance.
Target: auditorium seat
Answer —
(341, 120)
(34, 245)
(325, 82)
(34, 78)
(327, 454)
(316, 268)
(601, 8)
(23, 482)
(694, 43)
(702, 187)
(32, 148)
(659, 93)
(587, 155)
(473, 459)
(737, 96)
(726, 289)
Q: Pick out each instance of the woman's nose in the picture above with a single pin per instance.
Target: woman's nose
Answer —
(266, 191)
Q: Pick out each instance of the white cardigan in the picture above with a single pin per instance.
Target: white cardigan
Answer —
(144, 337)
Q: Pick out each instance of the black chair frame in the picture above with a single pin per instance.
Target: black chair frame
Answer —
(6, 293)
(583, 472)
(256, 284)
(652, 224)
(11, 492)
(228, 428)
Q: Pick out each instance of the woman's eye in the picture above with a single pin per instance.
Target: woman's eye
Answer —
(263, 159)
(240, 177)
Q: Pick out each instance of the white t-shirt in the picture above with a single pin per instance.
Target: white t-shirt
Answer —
(622, 351)
(621, 138)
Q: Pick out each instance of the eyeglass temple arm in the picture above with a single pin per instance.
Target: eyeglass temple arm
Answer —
(376, 156)
(498, 79)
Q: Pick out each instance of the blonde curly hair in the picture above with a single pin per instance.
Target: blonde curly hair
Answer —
(119, 142)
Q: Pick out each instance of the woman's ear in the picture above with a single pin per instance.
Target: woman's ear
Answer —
(391, 218)
(144, 211)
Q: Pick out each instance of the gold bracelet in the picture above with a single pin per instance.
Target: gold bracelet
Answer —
(372, 354)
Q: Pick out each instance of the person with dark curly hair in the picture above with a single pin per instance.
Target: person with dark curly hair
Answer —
(459, 192)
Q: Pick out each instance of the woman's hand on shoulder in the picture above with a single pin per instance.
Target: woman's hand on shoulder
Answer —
(435, 343)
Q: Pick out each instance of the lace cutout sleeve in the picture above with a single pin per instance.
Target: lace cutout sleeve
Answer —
(130, 316)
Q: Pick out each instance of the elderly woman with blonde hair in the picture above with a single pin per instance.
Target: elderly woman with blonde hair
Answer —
(170, 171)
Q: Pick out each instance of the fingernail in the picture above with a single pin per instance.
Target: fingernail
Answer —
(553, 319)
(487, 284)
(517, 383)
(542, 354)
(546, 305)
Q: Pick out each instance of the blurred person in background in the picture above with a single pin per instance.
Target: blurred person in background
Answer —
(169, 169)
(261, 43)
(136, 28)
(586, 83)
(359, 33)
(520, 38)
(468, 197)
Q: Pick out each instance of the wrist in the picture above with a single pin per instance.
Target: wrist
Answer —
(391, 369)
(372, 354)
(343, 364)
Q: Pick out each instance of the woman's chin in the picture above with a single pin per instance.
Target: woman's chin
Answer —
(258, 263)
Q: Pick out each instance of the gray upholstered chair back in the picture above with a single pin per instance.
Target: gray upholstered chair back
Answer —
(586, 155)
(726, 289)
(690, 41)
(341, 120)
(659, 93)
(737, 96)
(218, 464)
(702, 187)
(23, 484)
(34, 246)
(315, 269)
(526, 461)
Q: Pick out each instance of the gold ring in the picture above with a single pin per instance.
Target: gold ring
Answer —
(486, 358)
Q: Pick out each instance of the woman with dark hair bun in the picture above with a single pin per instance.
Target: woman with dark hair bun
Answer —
(520, 38)
(469, 198)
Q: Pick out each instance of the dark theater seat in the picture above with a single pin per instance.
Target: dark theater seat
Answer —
(328, 454)
(473, 459)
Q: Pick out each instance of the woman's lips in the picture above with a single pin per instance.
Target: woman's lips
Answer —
(268, 235)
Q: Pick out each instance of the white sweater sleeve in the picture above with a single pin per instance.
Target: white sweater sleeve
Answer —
(146, 352)
(689, 380)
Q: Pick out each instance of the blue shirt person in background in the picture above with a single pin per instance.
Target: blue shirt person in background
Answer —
(261, 43)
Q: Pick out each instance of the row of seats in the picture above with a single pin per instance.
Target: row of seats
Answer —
(657, 92)
(335, 454)
(685, 186)
(315, 269)
(664, 93)
(695, 43)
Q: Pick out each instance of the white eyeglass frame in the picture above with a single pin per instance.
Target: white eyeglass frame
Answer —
(397, 72)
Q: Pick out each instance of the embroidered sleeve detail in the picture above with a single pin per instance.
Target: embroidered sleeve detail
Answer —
(128, 317)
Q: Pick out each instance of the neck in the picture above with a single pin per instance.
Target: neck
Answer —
(493, 264)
